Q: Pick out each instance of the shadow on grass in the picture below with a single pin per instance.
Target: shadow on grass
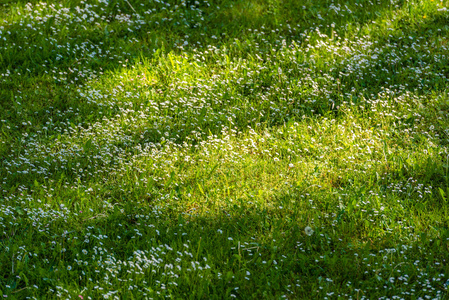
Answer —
(270, 243)
(203, 239)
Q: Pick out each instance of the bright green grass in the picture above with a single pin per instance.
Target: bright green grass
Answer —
(224, 149)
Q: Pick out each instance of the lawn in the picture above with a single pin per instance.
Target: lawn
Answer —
(219, 149)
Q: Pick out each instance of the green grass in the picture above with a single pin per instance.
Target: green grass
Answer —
(224, 149)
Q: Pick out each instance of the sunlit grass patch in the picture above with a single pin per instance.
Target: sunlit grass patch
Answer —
(224, 149)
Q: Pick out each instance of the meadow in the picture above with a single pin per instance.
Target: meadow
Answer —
(220, 149)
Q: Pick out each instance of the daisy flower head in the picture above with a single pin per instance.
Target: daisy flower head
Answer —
(308, 230)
